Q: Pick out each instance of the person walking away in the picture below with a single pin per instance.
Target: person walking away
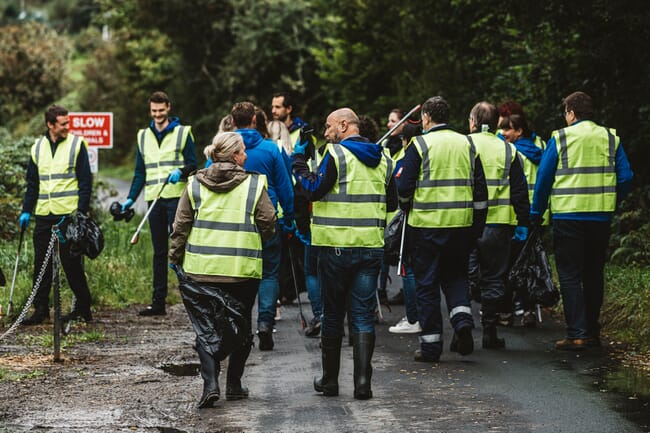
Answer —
(443, 188)
(222, 218)
(516, 130)
(265, 158)
(351, 193)
(59, 183)
(165, 155)
(507, 189)
(586, 173)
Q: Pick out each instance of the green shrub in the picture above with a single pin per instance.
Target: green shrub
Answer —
(13, 166)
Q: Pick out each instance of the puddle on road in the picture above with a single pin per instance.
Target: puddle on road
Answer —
(632, 388)
(180, 369)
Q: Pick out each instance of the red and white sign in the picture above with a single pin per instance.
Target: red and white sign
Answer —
(96, 128)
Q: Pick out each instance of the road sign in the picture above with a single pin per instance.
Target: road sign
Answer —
(96, 128)
(93, 159)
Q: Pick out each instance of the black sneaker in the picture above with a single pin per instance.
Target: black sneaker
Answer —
(313, 329)
(37, 318)
(75, 314)
(265, 334)
(155, 309)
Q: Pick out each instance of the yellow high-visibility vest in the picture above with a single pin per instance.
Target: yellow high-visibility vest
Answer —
(159, 161)
(58, 188)
(585, 178)
(224, 239)
(353, 213)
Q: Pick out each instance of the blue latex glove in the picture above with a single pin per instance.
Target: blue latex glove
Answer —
(23, 220)
(304, 238)
(208, 163)
(127, 204)
(300, 148)
(172, 266)
(175, 175)
(521, 233)
(288, 229)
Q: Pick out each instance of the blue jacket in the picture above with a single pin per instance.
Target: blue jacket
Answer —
(265, 157)
(546, 177)
(526, 146)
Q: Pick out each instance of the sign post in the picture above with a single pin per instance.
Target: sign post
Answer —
(97, 129)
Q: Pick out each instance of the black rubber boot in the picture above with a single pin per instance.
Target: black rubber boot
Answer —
(210, 374)
(363, 348)
(236, 364)
(328, 384)
(490, 339)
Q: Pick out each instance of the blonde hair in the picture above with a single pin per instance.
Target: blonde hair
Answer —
(279, 133)
(224, 145)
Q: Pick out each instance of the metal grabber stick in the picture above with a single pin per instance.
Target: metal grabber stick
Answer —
(136, 235)
(13, 279)
(402, 120)
(401, 247)
(303, 322)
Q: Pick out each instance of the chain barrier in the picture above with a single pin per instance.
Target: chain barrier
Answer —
(37, 284)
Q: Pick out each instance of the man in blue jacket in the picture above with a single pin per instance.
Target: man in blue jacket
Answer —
(265, 157)
(586, 173)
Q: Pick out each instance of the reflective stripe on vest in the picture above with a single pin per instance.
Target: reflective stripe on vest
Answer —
(353, 213)
(224, 239)
(58, 188)
(159, 161)
(585, 178)
(496, 157)
(444, 190)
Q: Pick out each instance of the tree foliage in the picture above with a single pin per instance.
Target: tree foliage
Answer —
(32, 65)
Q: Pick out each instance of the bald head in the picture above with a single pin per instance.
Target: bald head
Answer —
(341, 124)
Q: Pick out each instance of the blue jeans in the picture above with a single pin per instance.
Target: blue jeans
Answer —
(580, 255)
(311, 280)
(343, 273)
(410, 297)
(161, 219)
(269, 290)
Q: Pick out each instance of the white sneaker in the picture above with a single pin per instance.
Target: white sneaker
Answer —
(404, 327)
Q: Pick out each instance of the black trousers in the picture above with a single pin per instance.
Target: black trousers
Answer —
(72, 265)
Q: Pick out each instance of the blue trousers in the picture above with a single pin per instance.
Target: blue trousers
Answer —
(161, 220)
(269, 289)
(311, 280)
(580, 254)
(348, 273)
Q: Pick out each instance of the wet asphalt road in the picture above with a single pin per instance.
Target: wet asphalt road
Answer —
(528, 387)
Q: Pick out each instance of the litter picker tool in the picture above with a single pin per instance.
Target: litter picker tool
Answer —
(303, 322)
(136, 235)
(401, 247)
(13, 279)
(402, 120)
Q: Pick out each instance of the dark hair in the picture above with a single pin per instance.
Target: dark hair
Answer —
(242, 114)
(53, 112)
(437, 109)
(510, 107)
(288, 100)
(411, 130)
(397, 111)
(580, 103)
(517, 121)
(368, 128)
(484, 113)
(159, 97)
(260, 122)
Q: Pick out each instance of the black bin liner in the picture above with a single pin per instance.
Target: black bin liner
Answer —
(84, 236)
(218, 319)
(531, 273)
(393, 239)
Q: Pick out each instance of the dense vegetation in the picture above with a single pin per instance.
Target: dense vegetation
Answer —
(103, 55)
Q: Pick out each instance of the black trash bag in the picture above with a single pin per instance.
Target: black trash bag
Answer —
(84, 236)
(531, 273)
(218, 319)
(393, 239)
